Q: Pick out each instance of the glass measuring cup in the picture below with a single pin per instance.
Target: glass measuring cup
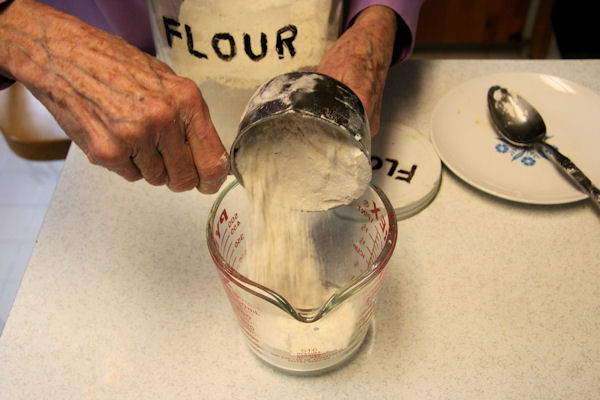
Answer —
(353, 243)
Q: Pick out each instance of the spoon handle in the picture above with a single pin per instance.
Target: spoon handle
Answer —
(574, 173)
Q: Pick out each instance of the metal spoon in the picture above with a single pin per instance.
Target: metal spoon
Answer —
(520, 124)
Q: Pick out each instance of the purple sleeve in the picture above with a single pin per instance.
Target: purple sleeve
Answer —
(407, 11)
(128, 19)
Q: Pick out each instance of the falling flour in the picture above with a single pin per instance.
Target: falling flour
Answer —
(287, 169)
(303, 164)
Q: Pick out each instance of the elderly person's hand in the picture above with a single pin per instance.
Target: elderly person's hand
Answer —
(127, 111)
(361, 57)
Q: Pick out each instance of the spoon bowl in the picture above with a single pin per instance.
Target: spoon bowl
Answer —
(521, 125)
(517, 121)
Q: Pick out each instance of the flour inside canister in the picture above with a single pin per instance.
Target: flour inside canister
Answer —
(298, 164)
(241, 44)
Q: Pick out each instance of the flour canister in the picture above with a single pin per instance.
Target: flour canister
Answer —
(230, 47)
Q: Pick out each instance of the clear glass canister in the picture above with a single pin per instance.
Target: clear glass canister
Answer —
(230, 47)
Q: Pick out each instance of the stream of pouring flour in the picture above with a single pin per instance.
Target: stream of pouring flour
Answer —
(290, 168)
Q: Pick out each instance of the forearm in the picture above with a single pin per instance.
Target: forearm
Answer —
(361, 58)
(127, 110)
(367, 45)
(407, 12)
(374, 30)
(43, 47)
(28, 39)
(4, 80)
(69, 65)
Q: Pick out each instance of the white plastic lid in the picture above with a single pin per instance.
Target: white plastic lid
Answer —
(406, 167)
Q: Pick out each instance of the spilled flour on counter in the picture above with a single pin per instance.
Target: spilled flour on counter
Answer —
(298, 166)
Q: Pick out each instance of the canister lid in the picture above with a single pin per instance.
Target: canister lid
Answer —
(406, 167)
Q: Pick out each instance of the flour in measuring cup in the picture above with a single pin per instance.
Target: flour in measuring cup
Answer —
(305, 163)
(292, 167)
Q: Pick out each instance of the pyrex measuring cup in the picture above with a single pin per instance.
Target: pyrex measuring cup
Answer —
(354, 244)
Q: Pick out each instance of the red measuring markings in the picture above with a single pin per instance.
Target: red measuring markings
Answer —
(369, 210)
(363, 209)
(375, 210)
(222, 218)
(376, 242)
(244, 313)
(369, 249)
(358, 250)
(226, 229)
(383, 225)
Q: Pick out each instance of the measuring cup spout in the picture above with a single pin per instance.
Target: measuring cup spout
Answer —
(306, 315)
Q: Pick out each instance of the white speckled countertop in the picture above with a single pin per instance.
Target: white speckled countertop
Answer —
(484, 298)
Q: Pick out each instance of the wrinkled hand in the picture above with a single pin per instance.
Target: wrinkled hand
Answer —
(361, 57)
(127, 111)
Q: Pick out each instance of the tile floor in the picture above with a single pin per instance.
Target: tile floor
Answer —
(26, 188)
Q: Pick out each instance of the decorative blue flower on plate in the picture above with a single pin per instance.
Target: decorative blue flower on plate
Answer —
(527, 157)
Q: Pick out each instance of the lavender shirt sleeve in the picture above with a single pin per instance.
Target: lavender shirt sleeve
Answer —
(407, 10)
(128, 19)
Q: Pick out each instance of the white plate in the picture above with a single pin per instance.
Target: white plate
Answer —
(466, 142)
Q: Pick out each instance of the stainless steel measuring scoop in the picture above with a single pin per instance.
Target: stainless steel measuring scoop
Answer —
(303, 98)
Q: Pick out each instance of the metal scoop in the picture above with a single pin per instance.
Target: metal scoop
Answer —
(521, 125)
(308, 102)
